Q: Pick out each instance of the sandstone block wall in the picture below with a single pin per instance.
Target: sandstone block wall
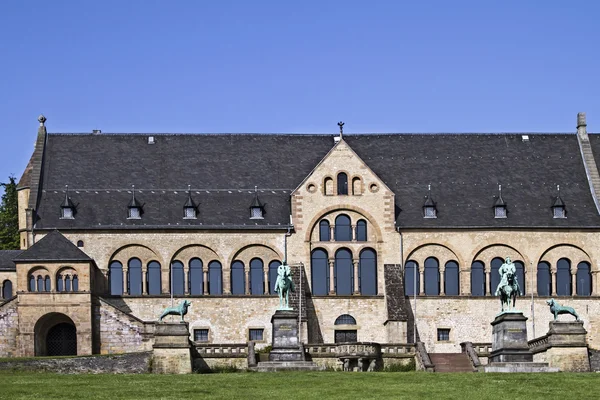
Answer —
(119, 332)
(9, 328)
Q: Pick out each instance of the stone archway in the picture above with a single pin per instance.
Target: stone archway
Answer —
(55, 335)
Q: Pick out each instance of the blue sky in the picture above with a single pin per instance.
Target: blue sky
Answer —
(283, 66)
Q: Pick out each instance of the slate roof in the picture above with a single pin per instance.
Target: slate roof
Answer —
(53, 247)
(464, 171)
(6, 259)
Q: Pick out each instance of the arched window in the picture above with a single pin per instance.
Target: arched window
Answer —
(238, 278)
(177, 277)
(345, 319)
(361, 230)
(257, 276)
(343, 272)
(451, 279)
(495, 274)
(343, 228)
(328, 184)
(563, 277)
(367, 272)
(32, 283)
(215, 278)
(273, 265)
(477, 279)
(67, 283)
(80, 243)
(60, 285)
(411, 278)
(432, 277)
(356, 186)
(324, 231)
(7, 289)
(584, 279)
(520, 267)
(342, 183)
(154, 279)
(195, 279)
(40, 283)
(115, 278)
(319, 267)
(134, 275)
(47, 284)
(75, 283)
(544, 278)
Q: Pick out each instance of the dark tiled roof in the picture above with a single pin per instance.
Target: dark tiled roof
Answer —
(464, 171)
(53, 247)
(6, 259)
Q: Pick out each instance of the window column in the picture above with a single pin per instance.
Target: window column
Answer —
(186, 278)
(464, 279)
(553, 282)
(422, 280)
(488, 281)
(205, 278)
(356, 285)
(331, 276)
(574, 279)
(247, 275)
(353, 227)
(125, 278)
(442, 279)
(332, 233)
(144, 279)
(266, 279)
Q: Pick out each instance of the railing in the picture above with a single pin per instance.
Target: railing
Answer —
(538, 345)
(481, 349)
(321, 350)
(235, 350)
(423, 360)
(359, 349)
(467, 347)
(397, 350)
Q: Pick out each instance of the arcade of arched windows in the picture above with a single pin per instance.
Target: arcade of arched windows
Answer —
(40, 280)
(195, 271)
(342, 185)
(554, 275)
(342, 228)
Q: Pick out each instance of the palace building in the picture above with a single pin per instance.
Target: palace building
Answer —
(388, 236)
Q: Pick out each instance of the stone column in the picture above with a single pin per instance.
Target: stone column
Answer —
(356, 283)
(144, 279)
(353, 227)
(488, 280)
(205, 279)
(125, 273)
(573, 281)
(266, 285)
(165, 278)
(442, 280)
(464, 278)
(422, 281)
(186, 278)
(247, 274)
(332, 233)
(533, 282)
(553, 283)
(331, 276)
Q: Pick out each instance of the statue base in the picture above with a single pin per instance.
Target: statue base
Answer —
(286, 346)
(171, 349)
(509, 338)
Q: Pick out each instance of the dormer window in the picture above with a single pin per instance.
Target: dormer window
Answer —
(500, 205)
(256, 208)
(558, 207)
(134, 209)
(190, 209)
(67, 208)
(429, 208)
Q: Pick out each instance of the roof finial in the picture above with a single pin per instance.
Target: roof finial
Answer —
(189, 188)
(255, 189)
(133, 191)
(42, 119)
(558, 189)
(341, 125)
(429, 188)
(500, 189)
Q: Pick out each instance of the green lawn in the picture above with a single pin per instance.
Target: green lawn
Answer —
(323, 385)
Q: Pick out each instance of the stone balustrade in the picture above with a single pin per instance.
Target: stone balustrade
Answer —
(539, 344)
(235, 350)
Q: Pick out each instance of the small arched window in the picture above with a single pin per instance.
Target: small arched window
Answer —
(215, 278)
(367, 272)
(544, 278)
(584, 279)
(40, 283)
(356, 186)
(343, 272)
(342, 183)
(47, 284)
(328, 186)
(319, 267)
(324, 231)
(7, 289)
(451, 279)
(75, 283)
(257, 277)
(153, 277)
(177, 277)
(134, 275)
(343, 229)
(345, 319)
(60, 284)
(115, 278)
(495, 274)
(80, 243)
(432, 277)
(477, 279)
(238, 278)
(411, 278)
(273, 265)
(361, 230)
(520, 272)
(563, 277)
(32, 283)
(68, 283)
(195, 282)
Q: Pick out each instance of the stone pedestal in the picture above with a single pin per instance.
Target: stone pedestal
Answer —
(567, 346)
(509, 339)
(171, 350)
(286, 346)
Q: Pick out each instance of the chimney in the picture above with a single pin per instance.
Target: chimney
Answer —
(582, 126)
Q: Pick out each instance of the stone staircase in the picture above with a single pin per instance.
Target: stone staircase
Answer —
(451, 362)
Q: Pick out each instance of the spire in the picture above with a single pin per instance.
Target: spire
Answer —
(558, 201)
(500, 201)
(134, 202)
(429, 207)
(256, 207)
(67, 203)
(341, 125)
(190, 202)
(428, 200)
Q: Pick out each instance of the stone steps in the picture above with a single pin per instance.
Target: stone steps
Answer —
(451, 362)
(276, 366)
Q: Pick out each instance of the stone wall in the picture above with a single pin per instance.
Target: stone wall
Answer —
(9, 328)
(120, 332)
(132, 363)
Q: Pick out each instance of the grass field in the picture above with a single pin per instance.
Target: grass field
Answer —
(323, 385)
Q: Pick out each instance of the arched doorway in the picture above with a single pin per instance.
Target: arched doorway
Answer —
(55, 335)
